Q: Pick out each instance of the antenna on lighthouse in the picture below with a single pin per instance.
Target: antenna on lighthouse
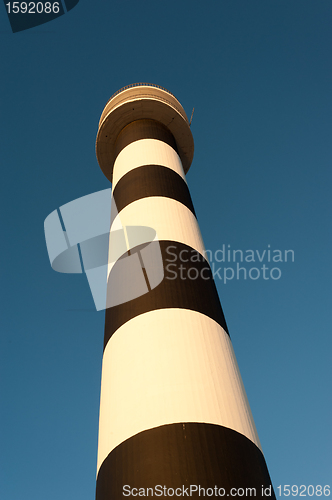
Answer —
(191, 118)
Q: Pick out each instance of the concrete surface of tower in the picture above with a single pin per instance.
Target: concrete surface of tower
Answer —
(174, 416)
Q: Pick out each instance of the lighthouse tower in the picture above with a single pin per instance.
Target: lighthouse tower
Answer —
(174, 416)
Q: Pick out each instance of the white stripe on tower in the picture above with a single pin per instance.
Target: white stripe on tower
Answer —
(146, 152)
(173, 408)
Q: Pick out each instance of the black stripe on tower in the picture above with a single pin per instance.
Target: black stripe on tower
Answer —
(143, 129)
(183, 454)
(188, 284)
(151, 180)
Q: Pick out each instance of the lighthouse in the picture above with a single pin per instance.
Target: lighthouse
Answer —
(174, 416)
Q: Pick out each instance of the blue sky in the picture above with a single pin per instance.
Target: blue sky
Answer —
(258, 73)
